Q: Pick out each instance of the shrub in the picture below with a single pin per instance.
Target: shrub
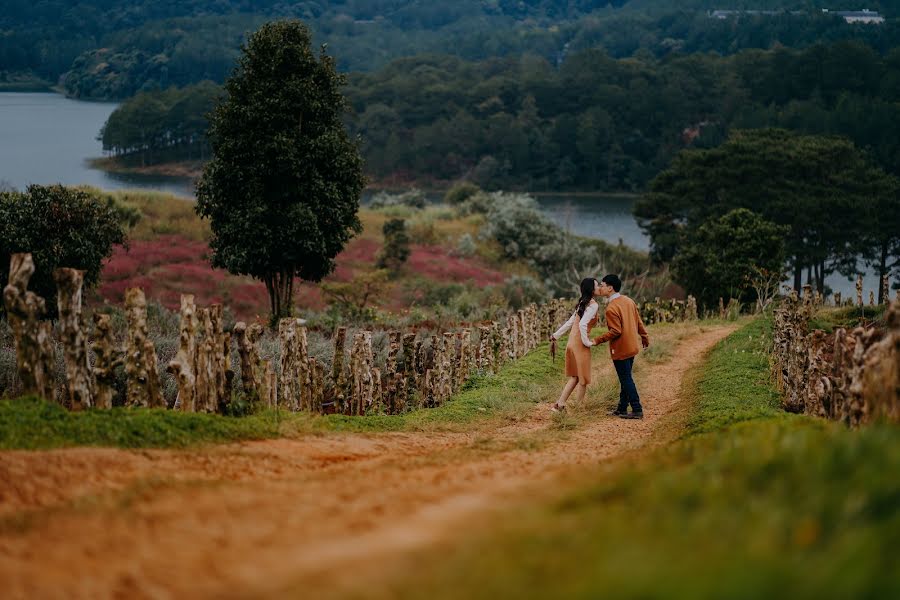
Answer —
(721, 256)
(396, 246)
(61, 227)
(413, 198)
(465, 246)
(460, 192)
(520, 291)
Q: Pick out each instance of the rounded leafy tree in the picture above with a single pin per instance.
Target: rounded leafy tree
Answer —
(282, 190)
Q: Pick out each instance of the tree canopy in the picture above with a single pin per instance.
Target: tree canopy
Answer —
(725, 253)
(821, 188)
(282, 190)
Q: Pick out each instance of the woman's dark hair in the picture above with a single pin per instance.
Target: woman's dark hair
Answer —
(587, 294)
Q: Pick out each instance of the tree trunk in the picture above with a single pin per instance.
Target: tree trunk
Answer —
(798, 275)
(882, 272)
(281, 294)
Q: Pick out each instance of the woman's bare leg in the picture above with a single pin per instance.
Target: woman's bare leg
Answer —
(579, 396)
(567, 391)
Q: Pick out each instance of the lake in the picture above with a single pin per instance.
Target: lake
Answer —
(48, 138)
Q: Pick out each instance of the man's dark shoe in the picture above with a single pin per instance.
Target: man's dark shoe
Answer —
(618, 413)
(637, 415)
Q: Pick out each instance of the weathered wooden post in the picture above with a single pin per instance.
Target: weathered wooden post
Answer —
(221, 358)
(34, 345)
(837, 299)
(362, 382)
(317, 393)
(251, 374)
(464, 357)
(859, 290)
(304, 378)
(721, 308)
(107, 358)
(484, 362)
(79, 378)
(288, 388)
(338, 372)
(270, 384)
(496, 336)
(691, 309)
(184, 363)
(885, 290)
(871, 298)
(140, 358)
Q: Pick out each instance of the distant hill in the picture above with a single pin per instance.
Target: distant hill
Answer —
(115, 48)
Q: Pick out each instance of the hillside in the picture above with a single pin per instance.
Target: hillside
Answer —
(102, 49)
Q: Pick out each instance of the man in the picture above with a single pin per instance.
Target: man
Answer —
(626, 335)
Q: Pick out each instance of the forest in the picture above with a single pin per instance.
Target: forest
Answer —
(593, 123)
(102, 49)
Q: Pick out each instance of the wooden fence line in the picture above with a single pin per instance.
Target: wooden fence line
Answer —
(851, 376)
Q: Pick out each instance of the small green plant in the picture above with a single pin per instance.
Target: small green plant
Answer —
(396, 246)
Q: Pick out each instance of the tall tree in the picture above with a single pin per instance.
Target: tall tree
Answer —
(880, 242)
(817, 186)
(720, 259)
(282, 190)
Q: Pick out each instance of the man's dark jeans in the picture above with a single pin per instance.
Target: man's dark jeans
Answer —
(628, 394)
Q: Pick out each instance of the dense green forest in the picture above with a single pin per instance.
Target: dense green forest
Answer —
(165, 126)
(594, 122)
(114, 49)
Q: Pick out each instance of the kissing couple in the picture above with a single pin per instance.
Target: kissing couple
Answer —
(626, 334)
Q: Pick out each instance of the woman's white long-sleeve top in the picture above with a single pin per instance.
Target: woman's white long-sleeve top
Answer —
(589, 313)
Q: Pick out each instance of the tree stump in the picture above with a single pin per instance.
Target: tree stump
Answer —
(339, 374)
(35, 356)
(140, 357)
(107, 358)
(251, 380)
(288, 384)
(183, 364)
(79, 377)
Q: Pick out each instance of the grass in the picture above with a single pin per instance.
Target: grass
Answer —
(749, 503)
(848, 317)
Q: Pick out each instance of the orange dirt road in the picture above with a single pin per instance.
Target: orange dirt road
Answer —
(266, 519)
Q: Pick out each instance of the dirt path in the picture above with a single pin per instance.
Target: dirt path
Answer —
(256, 519)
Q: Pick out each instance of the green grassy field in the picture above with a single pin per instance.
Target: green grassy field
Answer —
(751, 502)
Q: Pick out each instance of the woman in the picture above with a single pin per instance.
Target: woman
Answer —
(578, 349)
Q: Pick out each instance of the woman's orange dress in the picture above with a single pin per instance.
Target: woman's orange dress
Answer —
(578, 356)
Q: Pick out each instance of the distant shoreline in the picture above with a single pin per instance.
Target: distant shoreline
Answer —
(192, 170)
(185, 169)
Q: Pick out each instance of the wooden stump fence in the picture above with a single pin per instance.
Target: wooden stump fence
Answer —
(850, 376)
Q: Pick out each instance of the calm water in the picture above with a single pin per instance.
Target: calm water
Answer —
(47, 138)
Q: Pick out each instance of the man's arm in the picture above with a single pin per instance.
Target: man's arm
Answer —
(642, 331)
(614, 324)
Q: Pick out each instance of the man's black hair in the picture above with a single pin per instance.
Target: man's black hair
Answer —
(613, 281)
